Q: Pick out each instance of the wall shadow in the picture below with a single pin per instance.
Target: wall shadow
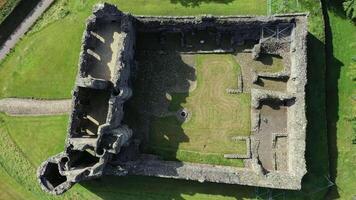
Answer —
(333, 69)
(139, 187)
(161, 87)
(195, 3)
(316, 182)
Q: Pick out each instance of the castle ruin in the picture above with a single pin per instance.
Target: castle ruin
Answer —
(99, 143)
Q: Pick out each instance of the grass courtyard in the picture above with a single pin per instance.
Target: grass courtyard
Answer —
(214, 116)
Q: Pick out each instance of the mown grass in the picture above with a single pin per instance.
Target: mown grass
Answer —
(341, 88)
(44, 63)
(10, 189)
(6, 6)
(19, 164)
(212, 113)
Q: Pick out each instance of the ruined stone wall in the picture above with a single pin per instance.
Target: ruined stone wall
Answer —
(95, 131)
(254, 175)
(296, 115)
(96, 134)
(241, 28)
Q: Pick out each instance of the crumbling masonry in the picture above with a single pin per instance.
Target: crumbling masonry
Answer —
(99, 144)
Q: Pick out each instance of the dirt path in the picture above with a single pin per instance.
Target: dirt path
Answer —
(24, 27)
(31, 107)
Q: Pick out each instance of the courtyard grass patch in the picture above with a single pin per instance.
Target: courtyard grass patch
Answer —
(214, 117)
(269, 63)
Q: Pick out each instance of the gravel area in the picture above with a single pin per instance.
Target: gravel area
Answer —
(32, 107)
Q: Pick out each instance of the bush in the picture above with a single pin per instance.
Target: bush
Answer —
(7, 8)
(350, 8)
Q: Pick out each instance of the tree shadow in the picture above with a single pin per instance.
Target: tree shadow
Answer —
(337, 8)
(12, 21)
(196, 3)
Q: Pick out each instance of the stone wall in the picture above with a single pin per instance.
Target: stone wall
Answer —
(93, 138)
(95, 131)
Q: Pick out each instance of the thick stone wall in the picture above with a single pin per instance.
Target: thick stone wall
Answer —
(95, 131)
(95, 138)
(292, 46)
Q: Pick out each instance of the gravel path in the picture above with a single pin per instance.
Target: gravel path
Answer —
(31, 107)
(24, 27)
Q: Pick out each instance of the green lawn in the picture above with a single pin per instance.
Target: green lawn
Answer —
(44, 63)
(10, 189)
(21, 162)
(212, 113)
(342, 103)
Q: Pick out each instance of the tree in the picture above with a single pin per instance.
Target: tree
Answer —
(350, 8)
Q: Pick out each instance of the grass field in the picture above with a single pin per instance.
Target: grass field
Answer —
(342, 103)
(30, 63)
(47, 57)
(214, 116)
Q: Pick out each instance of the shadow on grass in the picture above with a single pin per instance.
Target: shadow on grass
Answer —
(195, 3)
(154, 112)
(333, 69)
(337, 8)
(8, 26)
(315, 183)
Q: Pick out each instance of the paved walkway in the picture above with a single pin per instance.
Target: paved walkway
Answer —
(25, 25)
(31, 107)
